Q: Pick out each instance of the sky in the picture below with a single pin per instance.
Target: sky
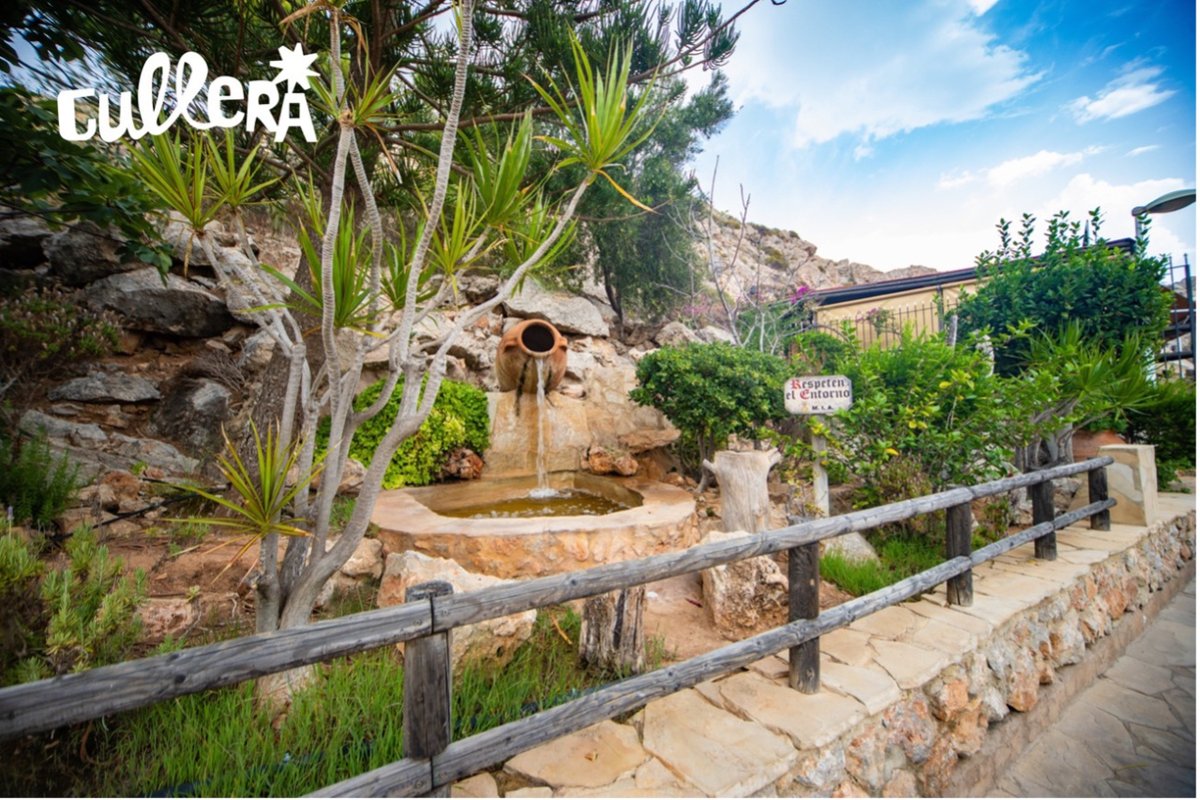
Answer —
(899, 132)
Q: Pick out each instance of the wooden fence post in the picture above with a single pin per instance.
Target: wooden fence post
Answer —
(427, 686)
(804, 602)
(1042, 497)
(960, 590)
(1097, 491)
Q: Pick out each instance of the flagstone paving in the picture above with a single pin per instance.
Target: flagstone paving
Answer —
(1132, 733)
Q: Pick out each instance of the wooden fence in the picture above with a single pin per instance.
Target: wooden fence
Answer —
(432, 611)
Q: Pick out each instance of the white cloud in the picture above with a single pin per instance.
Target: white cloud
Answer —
(1134, 91)
(1168, 232)
(1140, 151)
(1041, 162)
(874, 70)
(955, 180)
(980, 7)
(863, 150)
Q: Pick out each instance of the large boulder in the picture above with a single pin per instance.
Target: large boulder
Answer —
(193, 413)
(174, 306)
(84, 253)
(106, 387)
(492, 641)
(747, 596)
(567, 312)
(675, 334)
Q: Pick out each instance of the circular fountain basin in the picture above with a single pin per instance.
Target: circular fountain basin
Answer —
(657, 518)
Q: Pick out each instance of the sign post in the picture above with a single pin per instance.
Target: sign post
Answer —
(812, 395)
(817, 395)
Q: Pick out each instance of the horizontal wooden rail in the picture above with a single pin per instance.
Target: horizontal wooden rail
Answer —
(468, 756)
(512, 598)
(47, 704)
(68, 699)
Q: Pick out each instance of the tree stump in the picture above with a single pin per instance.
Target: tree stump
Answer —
(742, 477)
(612, 636)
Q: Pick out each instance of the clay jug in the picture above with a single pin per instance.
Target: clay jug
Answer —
(522, 347)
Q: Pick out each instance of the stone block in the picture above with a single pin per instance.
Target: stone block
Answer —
(809, 720)
(1132, 482)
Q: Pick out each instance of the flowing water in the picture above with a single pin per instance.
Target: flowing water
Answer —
(543, 490)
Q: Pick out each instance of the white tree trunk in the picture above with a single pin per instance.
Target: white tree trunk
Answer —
(742, 477)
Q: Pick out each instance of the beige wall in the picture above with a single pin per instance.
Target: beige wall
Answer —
(913, 306)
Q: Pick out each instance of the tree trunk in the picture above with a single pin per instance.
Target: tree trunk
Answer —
(742, 477)
(612, 636)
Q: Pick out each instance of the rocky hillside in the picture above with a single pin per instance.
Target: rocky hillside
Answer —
(773, 263)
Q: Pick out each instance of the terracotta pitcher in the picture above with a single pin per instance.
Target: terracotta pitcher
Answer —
(522, 347)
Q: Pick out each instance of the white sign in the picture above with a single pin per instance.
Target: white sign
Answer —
(817, 394)
(261, 99)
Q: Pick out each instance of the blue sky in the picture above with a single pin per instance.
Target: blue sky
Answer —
(897, 133)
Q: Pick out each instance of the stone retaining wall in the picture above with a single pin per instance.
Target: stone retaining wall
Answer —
(909, 695)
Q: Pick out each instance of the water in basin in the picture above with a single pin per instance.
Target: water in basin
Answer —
(541, 503)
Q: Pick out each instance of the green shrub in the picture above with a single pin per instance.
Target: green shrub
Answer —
(927, 416)
(459, 419)
(70, 619)
(1168, 421)
(821, 353)
(710, 391)
(36, 485)
(1110, 294)
(44, 330)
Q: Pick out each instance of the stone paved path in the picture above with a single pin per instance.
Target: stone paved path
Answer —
(1131, 734)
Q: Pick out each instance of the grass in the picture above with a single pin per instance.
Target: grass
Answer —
(899, 558)
(218, 743)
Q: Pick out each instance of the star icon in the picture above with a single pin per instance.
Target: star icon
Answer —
(293, 66)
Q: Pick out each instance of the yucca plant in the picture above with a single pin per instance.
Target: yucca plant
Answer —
(602, 127)
(263, 496)
(236, 179)
(179, 176)
(351, 270)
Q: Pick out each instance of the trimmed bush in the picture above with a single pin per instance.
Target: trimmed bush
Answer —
(459, 419)
(1109, 293)
(710, 391)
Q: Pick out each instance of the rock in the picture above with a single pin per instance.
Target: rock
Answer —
(590, 758)
(911, 728)
(366, 561)
(106, 387)
(120, 491)
(481, 785)
(175, 307)
(639, 441)
(83, 253)
(193, 413)
(711, 333)
(79, 434)
(463, 463)
(713, 750)
(157, 456)
(353, 473)
(901, 784)
(744, 596)
(493, 641)
(568, 313)
(602, 461)
(21, 242)
(166, 616)
(852, 547)
(675, 334)
(256, 352)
